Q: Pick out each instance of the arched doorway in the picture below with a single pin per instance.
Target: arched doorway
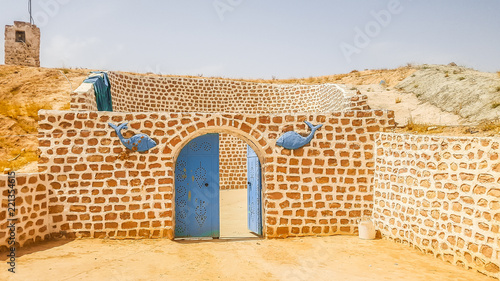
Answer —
(198, 200)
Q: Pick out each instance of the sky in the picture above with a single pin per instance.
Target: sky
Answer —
(261, 38)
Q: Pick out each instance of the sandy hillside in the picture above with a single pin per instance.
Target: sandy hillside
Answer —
(388, 77)
(391, 77)
(23, 91)
(416, 116)
(407, 107)
(466, 92)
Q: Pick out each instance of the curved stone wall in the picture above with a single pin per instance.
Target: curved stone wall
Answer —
(136, 93)
(441, 195)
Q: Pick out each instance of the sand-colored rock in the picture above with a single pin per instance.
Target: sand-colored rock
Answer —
(21, 86)
(466, 92)
(407, 107)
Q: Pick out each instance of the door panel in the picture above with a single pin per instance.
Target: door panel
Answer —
(254, 192)
(197, 188)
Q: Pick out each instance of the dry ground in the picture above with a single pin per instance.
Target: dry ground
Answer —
(320, 258)
(233, 214)
(312, 258)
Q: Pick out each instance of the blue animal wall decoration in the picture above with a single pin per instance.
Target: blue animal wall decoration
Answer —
(139, 142)
(292, 140)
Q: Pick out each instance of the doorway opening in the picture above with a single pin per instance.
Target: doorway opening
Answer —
(218, 189)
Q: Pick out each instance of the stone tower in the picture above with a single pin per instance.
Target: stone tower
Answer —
(22, 44)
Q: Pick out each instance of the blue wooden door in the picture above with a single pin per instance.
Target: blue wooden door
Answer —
(197, 188)
(254, 192)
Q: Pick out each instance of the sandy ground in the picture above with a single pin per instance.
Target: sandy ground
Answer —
(407, 106)
(233, 214)
(311, 258)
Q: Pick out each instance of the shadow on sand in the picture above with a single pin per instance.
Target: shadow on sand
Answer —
(35, 247)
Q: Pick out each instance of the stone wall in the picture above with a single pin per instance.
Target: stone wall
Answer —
(441, 195)
(98, 189)
(178, 94)
(26, 52)
(31, 203)
(83, 98)
(136, 93)
(232, 162)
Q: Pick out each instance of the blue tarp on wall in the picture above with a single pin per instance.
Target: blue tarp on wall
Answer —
(102, 89)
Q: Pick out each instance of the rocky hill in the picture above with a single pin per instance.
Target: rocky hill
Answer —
(471, 94)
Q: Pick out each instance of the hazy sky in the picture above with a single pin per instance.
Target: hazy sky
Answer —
(261, 38)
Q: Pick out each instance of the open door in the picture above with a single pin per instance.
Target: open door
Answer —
(254, 192)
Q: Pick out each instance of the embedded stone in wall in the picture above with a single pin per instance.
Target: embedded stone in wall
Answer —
(22, 44)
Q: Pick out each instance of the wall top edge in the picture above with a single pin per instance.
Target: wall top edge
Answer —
(19, 24)
(84, 88)
(147, 76)
(412, 136)
(386, 111)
